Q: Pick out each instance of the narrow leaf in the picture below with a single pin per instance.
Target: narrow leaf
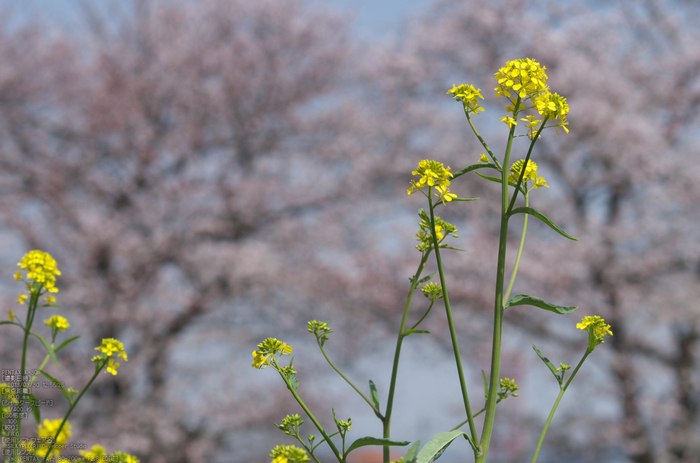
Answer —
(437, 446)
(481, 165)
(450, 247)
(48, 347)
(464, 199)
(373, 394)
(543, 218)
(498, 180)
(365, 441)
(524, 299)
(424, 279)
(36, 410)
(486, 385)
(57, 383)
(66, 342)
(411, 331)
(549, 364)
(412, 453)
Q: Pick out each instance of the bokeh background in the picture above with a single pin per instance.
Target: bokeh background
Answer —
(208, 174)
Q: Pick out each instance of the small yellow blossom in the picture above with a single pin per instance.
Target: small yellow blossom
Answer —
(597, 330)
(112, 367)
(469, 96)
(21, 298)
(50, 299)
(524, 76)
(47, 433)
(97, 452)
(109, 347)
(288, 454)
(484, 158)
(57, 322)
(11, 314)
(267, 350)
(121, 457)
(41, 268)
(280, 459)
(553, 107)
(509, 121)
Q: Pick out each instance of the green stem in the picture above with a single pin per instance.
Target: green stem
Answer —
(348, 381)
(483, 143)
(450, 322)
(397, 354)
(423, 317)
(309, 414)
(520, 252)
(556, 404)
(527, 158)
(72, 407)
(498, 306)
(35, 293)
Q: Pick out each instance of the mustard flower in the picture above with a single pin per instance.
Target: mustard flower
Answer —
(442, 230)
(7, 394)
(121, 457)
(508, 388)
(431, 173)
(288, 454)
(553, 107)
(267, 350)
(531, 122)
(21, 298)
(41, 268)
(109, 347)
(47, 433)
(320, 329)
(11, 315)
(530, 174)
(484, 158)
(597, 330)
(290, 424)
(509, 121)
(526, 77)
(432, 291)
(57, 322)
(469, 96)
(97, 452)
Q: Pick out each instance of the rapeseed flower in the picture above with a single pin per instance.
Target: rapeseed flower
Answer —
(288, 454)
(267, 350)
(553, 106)
(526, 77)
(529, 176)
(41, 268)
(47, 434)
(597, 330)
(57, 322)
(469, 96)
(109, 347)
(97, 452)
(433, 173)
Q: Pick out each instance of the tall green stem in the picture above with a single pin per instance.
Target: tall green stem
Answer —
(556, 404)
(520, 252)
(397, 354)
(453, 333)
(498, 306)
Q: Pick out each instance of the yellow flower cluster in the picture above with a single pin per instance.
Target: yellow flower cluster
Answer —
(57, 322)
(530, 174)
(433, 173)
(553, 106)
(469, 96)
(597, 330)
(47, 433)
(288, 454)
(7, 395)
(442, 230)
(98, 453)
(42, 269)
(524, 76)
(109, 347)
(267, 350)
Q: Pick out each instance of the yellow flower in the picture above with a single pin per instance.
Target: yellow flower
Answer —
(266, 351)
(41, 268)
(21, 298)
(517, 167)
(49, 299)
(47, 433)
(524, 76)
(121, 457)
(112, 367)
(11, 314)
(260, 360)
(469, 96)
(484, 158)
(597, 330)
(94, 454)
(280, 459)
(531, 124)
(553, 106)
(509, 121)
(57, 322)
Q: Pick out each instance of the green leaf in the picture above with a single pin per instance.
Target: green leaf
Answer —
(450, 247)
(480, 165)
(294, 381)
(464, 199)
(498, 180)
(549, 364)
(437, 446)
(543, 218)
(8, 322)
(486, 385)
(524, 299)
(412, 453)
(365, 441)
(48, 347)
(423, 280)
(36, 410)
(374, 396)
(65, 343)
(411, 331)
(57, 383)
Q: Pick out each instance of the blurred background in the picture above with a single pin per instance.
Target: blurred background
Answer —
(208, 174)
